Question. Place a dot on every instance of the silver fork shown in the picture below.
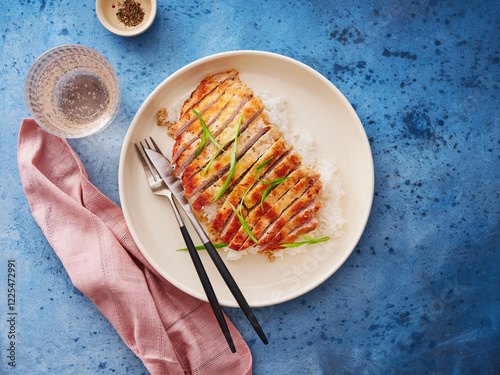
(155, 182)
(159, 187)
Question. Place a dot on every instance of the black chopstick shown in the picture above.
(235, 290)
(207, 286)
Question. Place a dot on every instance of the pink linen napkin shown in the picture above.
(172, 332)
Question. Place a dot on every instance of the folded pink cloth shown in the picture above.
(172, 332)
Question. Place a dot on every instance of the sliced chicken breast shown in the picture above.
(202, 106)
(222, 163)
(307, 227)
(289, 160)
(302, 186)
(275, 213)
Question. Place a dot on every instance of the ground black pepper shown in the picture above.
(130, 13)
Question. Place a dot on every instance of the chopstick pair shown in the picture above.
(163, 182)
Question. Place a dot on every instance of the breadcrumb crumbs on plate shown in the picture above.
(161, 116)
(162, 119)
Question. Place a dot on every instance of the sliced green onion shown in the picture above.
(268, 190)
(211, 161)
(233, 163)
(244, 225)
(315, 240)
(201, 247)
(244, 196)
(202, 143)
(206, 133)
(273, 183)
(295, 244)
(229, 177)
(309, 241)
(278, 181)
(263, 165)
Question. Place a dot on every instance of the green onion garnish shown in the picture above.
(202, 143)
(233, 163)
(257, 170)
(278, 181)
(206, 133)
(273, 183)
(211, 161)
(268, 190)
(244, 195)
(244, 225)
(309, 241)
(201, 247)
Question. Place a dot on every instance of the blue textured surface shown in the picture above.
(420, 293)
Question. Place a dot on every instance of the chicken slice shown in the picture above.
(240, 241)
(285, 163)
(255, 195)
(229, 115)
(293, 235)
(272, 230)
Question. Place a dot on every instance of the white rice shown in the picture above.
(330, 214)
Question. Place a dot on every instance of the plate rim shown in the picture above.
(256, 53)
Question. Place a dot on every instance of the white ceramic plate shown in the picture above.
(313, 103)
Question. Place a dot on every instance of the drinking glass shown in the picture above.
(72, 91)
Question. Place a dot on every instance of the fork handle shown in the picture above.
(207, 286)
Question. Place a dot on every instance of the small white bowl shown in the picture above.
(107, 15)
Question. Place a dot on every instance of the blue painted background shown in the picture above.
(420, 293)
